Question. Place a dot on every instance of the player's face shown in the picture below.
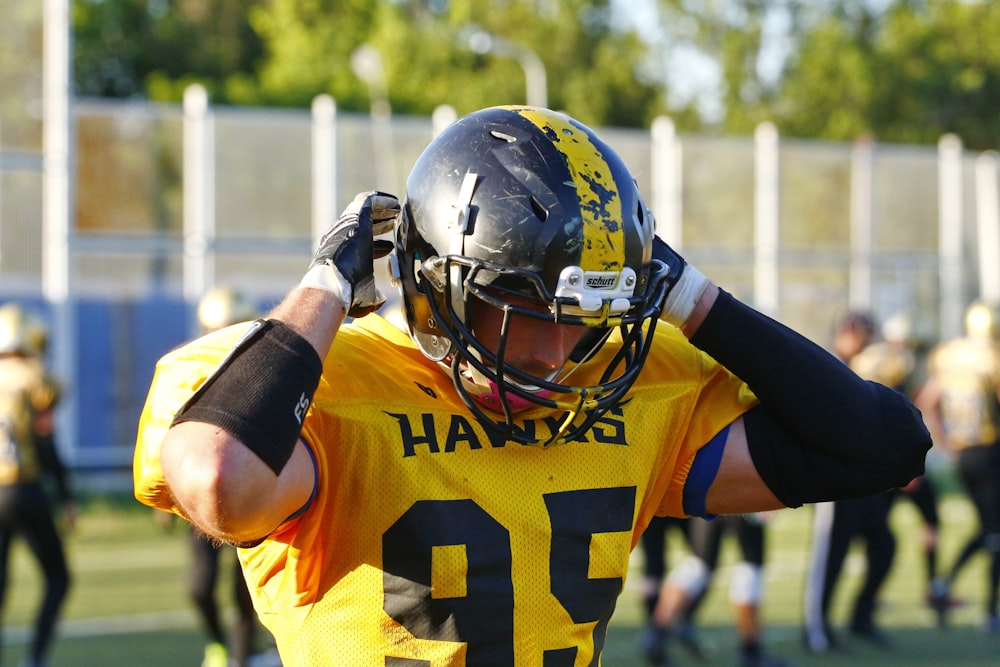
(850, 341)
(534, 346)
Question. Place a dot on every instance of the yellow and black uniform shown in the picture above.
(27, 454)
(894, 364)
(527, 573)
(968, 372)
(26, 390)
(18, 454)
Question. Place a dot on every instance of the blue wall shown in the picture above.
(118, 346)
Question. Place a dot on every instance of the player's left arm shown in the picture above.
(232, 491)
(738, 488)
(819, 433)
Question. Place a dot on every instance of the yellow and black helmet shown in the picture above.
(525, 201)
(223, 306)
(982, 320)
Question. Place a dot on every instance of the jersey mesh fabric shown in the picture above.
(969, 372)
(428, 543)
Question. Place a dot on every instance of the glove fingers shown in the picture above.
(367, 299)
(350, 248)
(384, 226)
(384, 211)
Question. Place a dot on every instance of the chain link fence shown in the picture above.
(131, 252)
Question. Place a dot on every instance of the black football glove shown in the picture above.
(344, 261)
(675, 263)
(685, 284)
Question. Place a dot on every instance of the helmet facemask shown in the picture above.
(490, 386)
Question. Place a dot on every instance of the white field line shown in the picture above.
(110, 625)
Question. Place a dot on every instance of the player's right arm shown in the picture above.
(222, 486)
(232, 458)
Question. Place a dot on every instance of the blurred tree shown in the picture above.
(921, 69)
(827, 90)
(155, 48)
(902, 70)
(739, 49)
(285, 52)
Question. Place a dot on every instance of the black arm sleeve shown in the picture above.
(820, 432)
(261, 392)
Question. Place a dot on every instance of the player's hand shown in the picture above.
(685, 284)
(344, 261)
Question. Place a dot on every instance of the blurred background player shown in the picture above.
(688, 583)
(217, 309)
(893, 361)
(961, 405)
(837, 524)
(654, 545)
(28, 397)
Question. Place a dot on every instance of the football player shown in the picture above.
(469, 494)
(961, 402)
(892, 361)
(28, 398)
(685, 588)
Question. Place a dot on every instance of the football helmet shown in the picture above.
(223, 306)
(982, 320)
(518, 203)
(22, 332)
(898, 328)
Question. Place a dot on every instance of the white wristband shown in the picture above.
(327, 278)
(684, 296)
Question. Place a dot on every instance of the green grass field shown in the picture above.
(128, 606)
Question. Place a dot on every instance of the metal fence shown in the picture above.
(172, 200)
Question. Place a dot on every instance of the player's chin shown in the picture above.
(492, 397)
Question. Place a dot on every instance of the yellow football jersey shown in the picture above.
(25, 390)
(429, 543)
(968, 370)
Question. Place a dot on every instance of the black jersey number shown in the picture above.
(484, 616)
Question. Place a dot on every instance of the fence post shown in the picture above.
(988, 226)
(58, 211)
(199, 194)
(667, 186)
(766, 219)
(950, 235)
(1, 191)
(862, 206)
(324, 165)
(442, 116)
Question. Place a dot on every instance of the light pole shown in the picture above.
(367, 65)
(536, 86)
